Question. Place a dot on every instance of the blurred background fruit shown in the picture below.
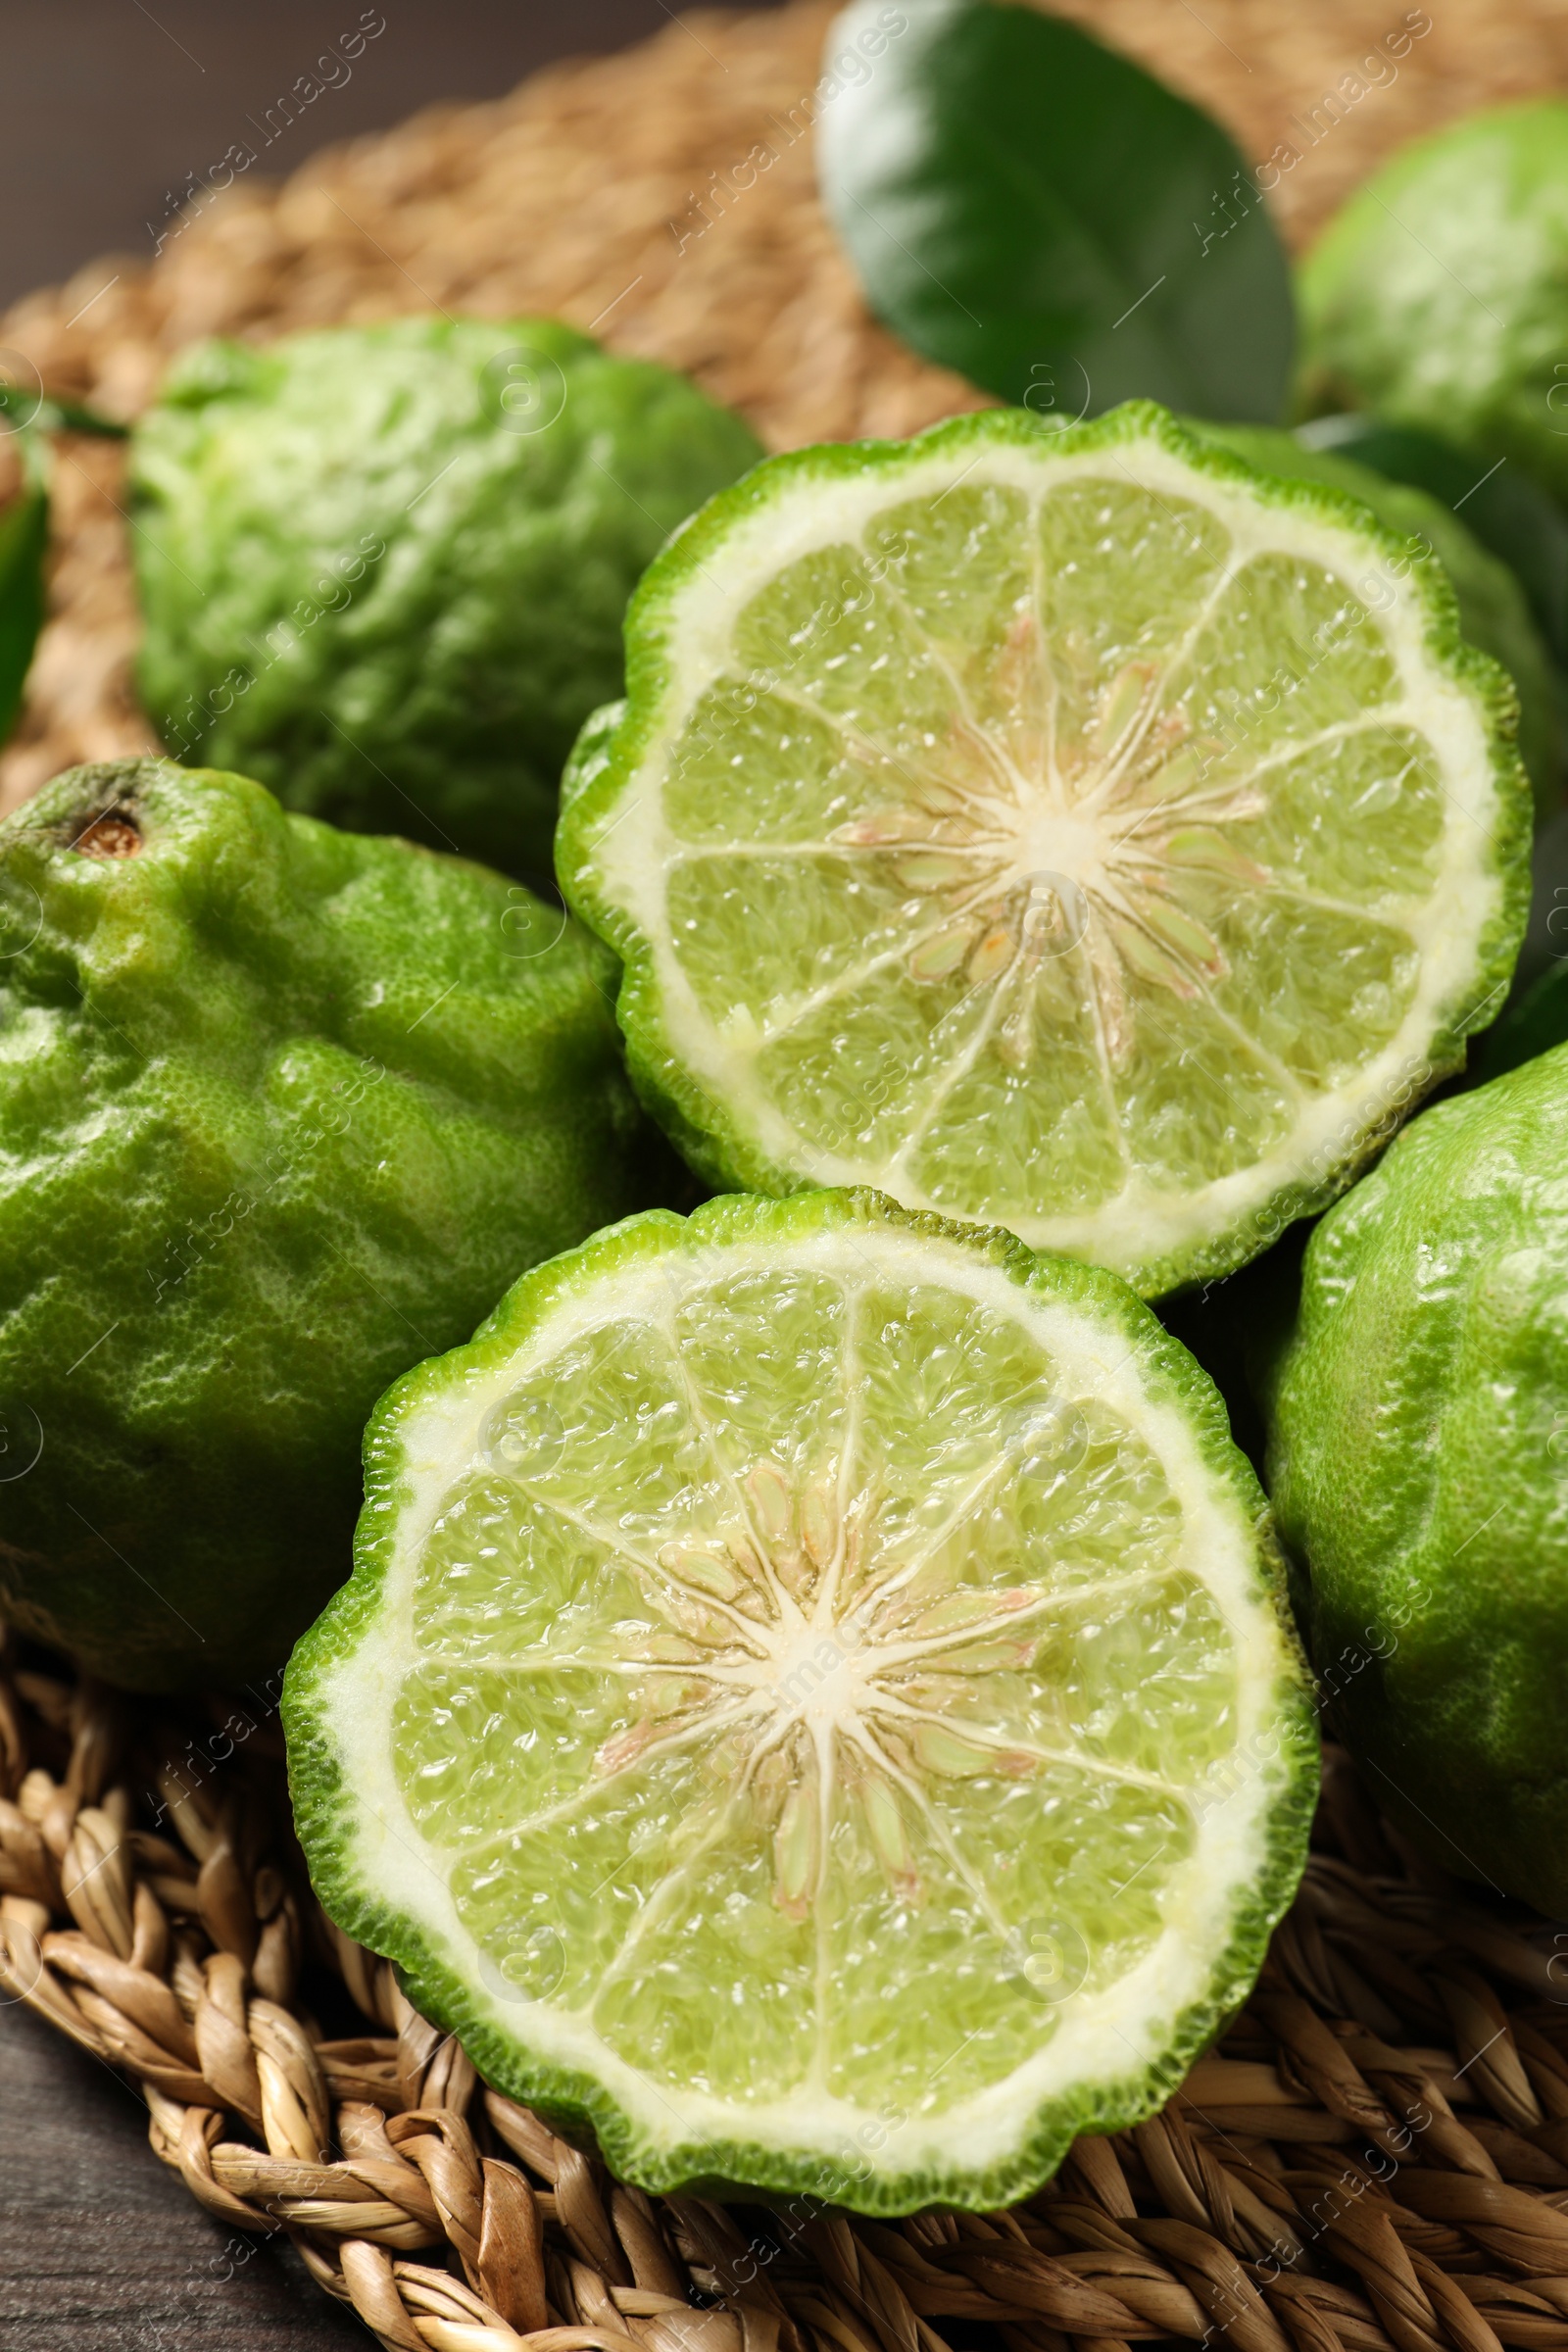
(1435, 296)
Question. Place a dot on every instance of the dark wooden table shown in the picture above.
(103, 2249)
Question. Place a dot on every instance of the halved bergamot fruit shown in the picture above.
(1079, 831)
(814, 1702)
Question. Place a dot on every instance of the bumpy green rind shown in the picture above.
(1418, 1431)
(1494, 612)
(383, 569)
(703, 1126)
(1434, 295)
(281, 1110)
(321, 1769)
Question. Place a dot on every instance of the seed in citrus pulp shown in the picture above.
(814, 1702)
(1083, 832)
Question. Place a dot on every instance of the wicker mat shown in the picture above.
(1375, 2157)
(606, 192)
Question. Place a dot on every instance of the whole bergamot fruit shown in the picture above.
(1494, 612)
(284, 1112)
(1418, 1460)
(1435, 294)
(383, 569)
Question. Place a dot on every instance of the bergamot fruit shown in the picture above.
(383, 569)
(1081, 832)
(814, 1702)
(1434, 295)
(283, 1109)
(1418, 1453)
(1494, 612)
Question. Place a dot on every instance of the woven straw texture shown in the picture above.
(601, 192)
(1376, 2157)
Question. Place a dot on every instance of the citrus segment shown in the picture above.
(1493, 611)
(1084, 831)
(812, 1701)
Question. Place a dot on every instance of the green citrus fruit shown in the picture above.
(283, 1109)
(1418, 1459)
(1082, 832)
(1434, 295)
(1494, 612)
(814, 1702)
(383, 569)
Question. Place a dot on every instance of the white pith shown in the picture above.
(628, 857)
(1110, 2037)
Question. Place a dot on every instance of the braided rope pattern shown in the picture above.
(1374, 2159)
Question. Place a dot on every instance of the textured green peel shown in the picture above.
(1419, 1425)
(282, 1109)
(384, 569)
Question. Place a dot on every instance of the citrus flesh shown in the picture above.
(1083, 832)
(1494, 612)
(813, 1701)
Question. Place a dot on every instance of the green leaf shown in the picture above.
(56, 415)
(1038, 212)
(1508, 512)
(25, 407)
(23, 543)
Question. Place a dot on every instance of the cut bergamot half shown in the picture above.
(1083, 832)
(813, 1703)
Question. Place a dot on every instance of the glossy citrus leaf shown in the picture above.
(1027, 206)
(1508, 512)
(24, 542)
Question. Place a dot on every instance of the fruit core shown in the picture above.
(811, 1667)
(1083, 844)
